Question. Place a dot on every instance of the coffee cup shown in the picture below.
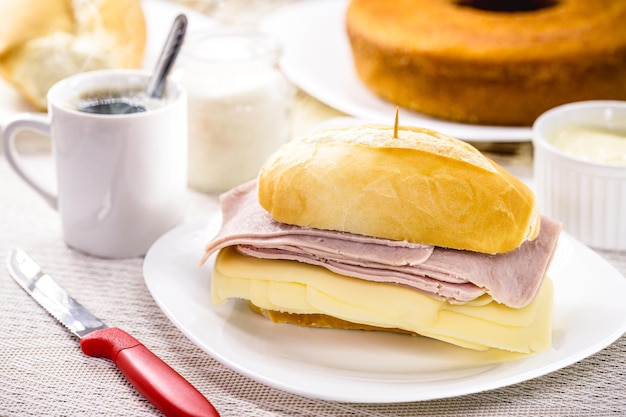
(121, 178)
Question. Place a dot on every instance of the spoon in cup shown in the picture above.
(156, 83)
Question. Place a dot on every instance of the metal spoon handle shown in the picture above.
(168, 56)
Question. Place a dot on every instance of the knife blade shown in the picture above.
(160, 384)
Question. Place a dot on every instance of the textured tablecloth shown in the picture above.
(44, 373)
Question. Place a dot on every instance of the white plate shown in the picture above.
(375, 367)
(318, 59)
(159, 16)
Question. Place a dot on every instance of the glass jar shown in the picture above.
(238, 106)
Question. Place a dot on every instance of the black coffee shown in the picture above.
(117, 102)
(112, 106)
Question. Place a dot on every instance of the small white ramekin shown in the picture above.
(588, 197)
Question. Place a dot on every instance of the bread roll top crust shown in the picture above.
(422, 186)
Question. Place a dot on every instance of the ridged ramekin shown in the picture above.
(588, 197)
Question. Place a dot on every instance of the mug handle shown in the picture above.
(34, 122)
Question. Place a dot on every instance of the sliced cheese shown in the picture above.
(294, 287)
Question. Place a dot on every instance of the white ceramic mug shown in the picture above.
(121, 179)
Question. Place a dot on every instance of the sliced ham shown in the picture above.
(511, 278)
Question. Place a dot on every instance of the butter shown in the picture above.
(294, 287)
(593, 144)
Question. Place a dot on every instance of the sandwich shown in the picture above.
(389, 228)
(42, 42)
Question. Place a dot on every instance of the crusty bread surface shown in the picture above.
(422, 186)
(320, 321)
(43, 42)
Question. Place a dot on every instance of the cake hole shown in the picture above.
(508, 5)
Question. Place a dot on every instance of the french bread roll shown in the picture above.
(421, 186)
(42, 42)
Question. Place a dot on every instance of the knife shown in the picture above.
(165, 388)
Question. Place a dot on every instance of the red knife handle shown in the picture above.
(165, 388)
